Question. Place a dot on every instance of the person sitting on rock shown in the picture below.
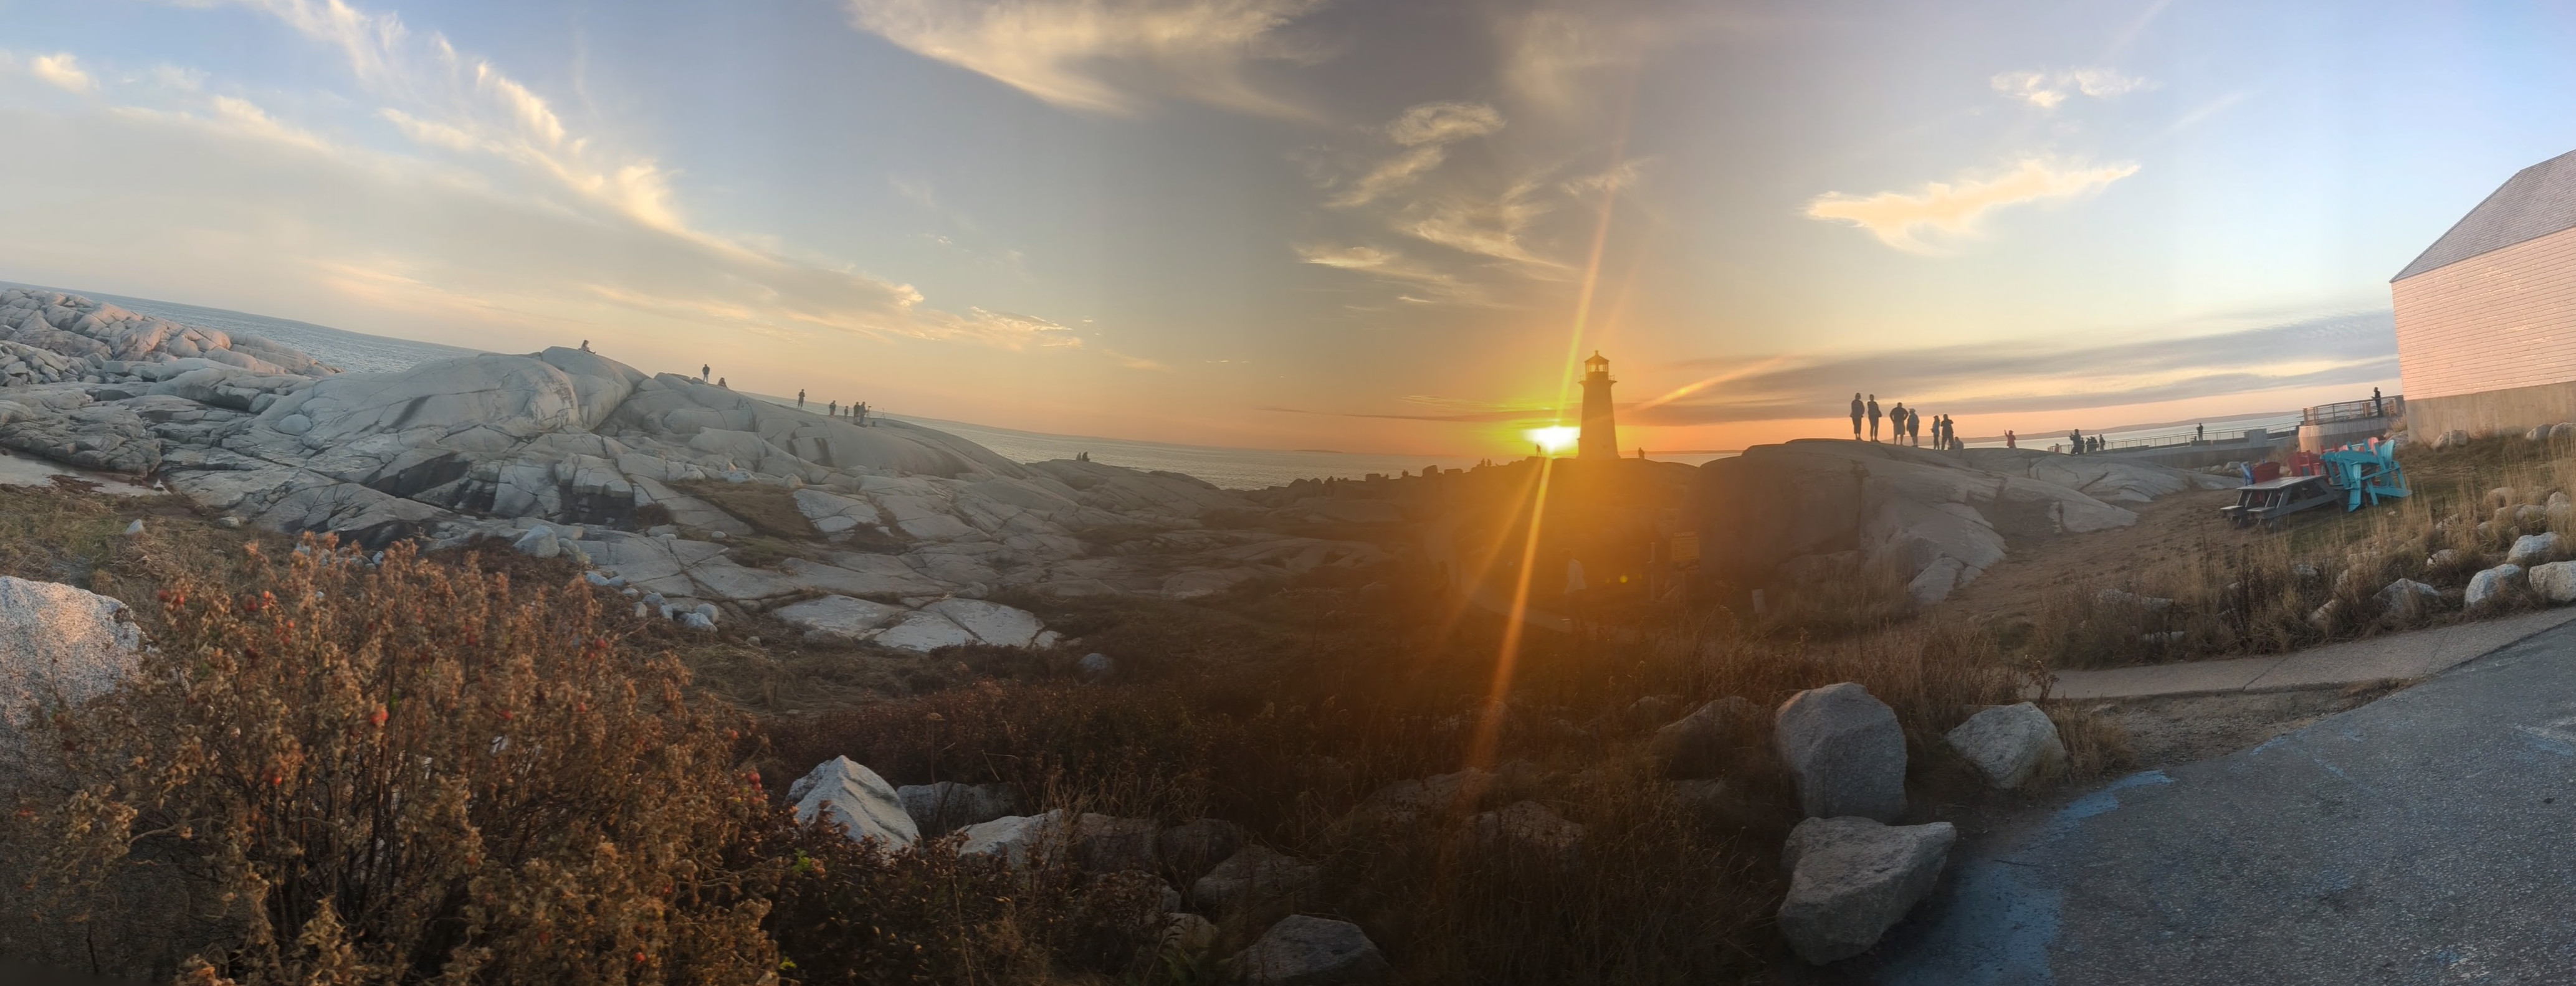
(720, 382)
(585, 345)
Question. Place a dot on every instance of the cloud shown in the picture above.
(2047, 90)
(1423, 130)
(1487, 226)
(1986, 378)
(1391, 266)
(62, 71)
(498, 210)
(1896, 217)
(1102, 56)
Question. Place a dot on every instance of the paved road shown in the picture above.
(2429, 837)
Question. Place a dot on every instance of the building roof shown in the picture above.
(2535, 202)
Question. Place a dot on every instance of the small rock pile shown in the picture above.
(1227, 875)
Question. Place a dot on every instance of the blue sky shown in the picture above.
(1300, 223)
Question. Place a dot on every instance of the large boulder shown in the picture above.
(1851, 879)
(2009, 744)
(1252, 877)
(1844, 751)
(946, 806)
(2409, 598)
(1019, 841)
(2533, 549)
(1906, 509)
(2555, 582)
(842, 790)
(2491, 587)
(1697, 745)
(59, 645)
(486, 402)
(1302, 950)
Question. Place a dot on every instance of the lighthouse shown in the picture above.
(1600, 430)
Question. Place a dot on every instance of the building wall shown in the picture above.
(2501, 327)
(2489, 411)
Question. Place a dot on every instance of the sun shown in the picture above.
(1556, 438)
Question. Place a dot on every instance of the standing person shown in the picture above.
(705, 371)
(1857, 412)
(2011, 440)
(800, 398)
(2374, 404)
(2075, 440)
(1873, 417)
(2200, 433)
(1941, 436)
(1914, 427)
(832, 409)
(1896, 423)
(862, 413)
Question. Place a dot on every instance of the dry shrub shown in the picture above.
(1663, 891)
(2095, 745)
(345, 773)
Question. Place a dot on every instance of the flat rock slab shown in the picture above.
(2420, 838)
(2413, 654)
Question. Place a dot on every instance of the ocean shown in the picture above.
(1231, 468)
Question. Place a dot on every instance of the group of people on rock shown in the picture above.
(857, 410)
(2082, 443)
(1905, 424)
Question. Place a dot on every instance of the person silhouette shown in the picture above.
(800, 398)
(2075, 440)
(832, 409)
(1896, 417)
(2011, 440)
(585, 345)
(2374, 404)
(705, 371)
(1873, 417)
(721, 383)
(1857, 412)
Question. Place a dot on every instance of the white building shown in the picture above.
(2486, 318)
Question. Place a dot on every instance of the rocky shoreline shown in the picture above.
(568, 453)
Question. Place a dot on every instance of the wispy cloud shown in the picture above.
(1103, 56)
(500, 208)
(1424, 131)
(1985, 379)
(62, 71)
(1955, 208)
(2047, 90)
(1392, 266)
(1490, 226)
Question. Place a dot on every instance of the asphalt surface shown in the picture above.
(2429, 837)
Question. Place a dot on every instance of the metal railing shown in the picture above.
(2180, 439)
(2393, 405)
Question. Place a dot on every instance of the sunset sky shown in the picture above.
(1368, 226)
